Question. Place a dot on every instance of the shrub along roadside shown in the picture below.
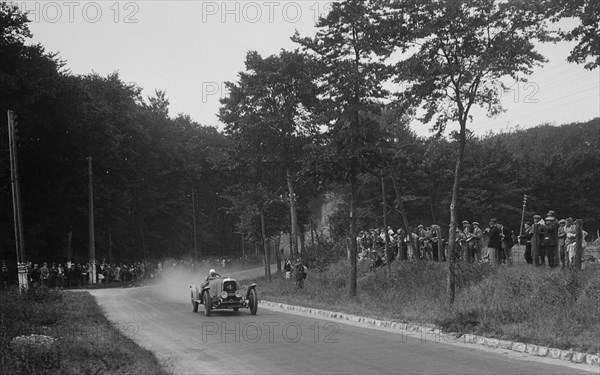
(555, 308)
(86, 342)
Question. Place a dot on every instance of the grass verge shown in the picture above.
(55, 332)
(550, 307)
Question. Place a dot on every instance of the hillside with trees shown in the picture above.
(298, 125)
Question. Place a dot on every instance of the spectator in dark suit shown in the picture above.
(495, 241)
(507, 244)
(526, 238)
(549, 244)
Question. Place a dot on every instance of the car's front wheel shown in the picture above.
(253, 301)
(207, 303)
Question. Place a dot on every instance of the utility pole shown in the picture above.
(91, 224)
(16, 196)
(523, 214)
(194, 224)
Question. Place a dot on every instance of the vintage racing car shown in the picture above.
(224, 293)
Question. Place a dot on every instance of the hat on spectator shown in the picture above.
(475, 223)
(465, 222)
(528, 223)
(570, 219)
(493, 220)
(562, 221)
(550, 218)
(551, 213)
(420, 226)
(537, 217)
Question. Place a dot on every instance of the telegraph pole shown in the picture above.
(91, 224)
(523, 214)
(16, 196)
(194, 224)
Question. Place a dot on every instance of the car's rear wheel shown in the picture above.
(194, 304)
(253, 300)
(207, 303)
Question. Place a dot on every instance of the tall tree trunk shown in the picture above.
(278, 253)
(110, 255)
(265, 247)
(293, 213)
(353, 249)
(454, 211)
(388, 251)
(302, 243)
(143, 242)
(433, 218)
(401, 208)
(70, 243)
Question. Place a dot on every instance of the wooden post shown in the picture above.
(92, 255)
(16, 196)
(535, 244)
(194, 227)
(265, 247)
(523, 214)
(578, 240)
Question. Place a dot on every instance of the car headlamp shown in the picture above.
(238, 294)
(224, 294)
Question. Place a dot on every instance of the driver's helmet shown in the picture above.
(212, 272)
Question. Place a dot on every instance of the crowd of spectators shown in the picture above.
(491, 243)
(69, 275)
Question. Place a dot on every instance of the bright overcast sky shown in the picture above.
(189, 48)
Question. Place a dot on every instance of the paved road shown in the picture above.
(160, 318)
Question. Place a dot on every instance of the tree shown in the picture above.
(587, 33)
(463, 50)
(347, 45)
(271, 108)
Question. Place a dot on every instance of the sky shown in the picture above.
(190, 48)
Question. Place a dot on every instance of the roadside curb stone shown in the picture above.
(555, 353)
(592, 360)
(532, 349)
(519, 347)
(505, 344)
(535, 350)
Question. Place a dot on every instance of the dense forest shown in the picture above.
(259, 175)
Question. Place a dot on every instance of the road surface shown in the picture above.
(160, 318)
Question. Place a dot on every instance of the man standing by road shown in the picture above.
(526, 237)
(550, 241)
(507, 244)
(562, 248)
(495, 242)
(477, 241)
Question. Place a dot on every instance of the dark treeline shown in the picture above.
(261, 173)
(558, 167)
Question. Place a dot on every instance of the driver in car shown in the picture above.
(212, 274)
